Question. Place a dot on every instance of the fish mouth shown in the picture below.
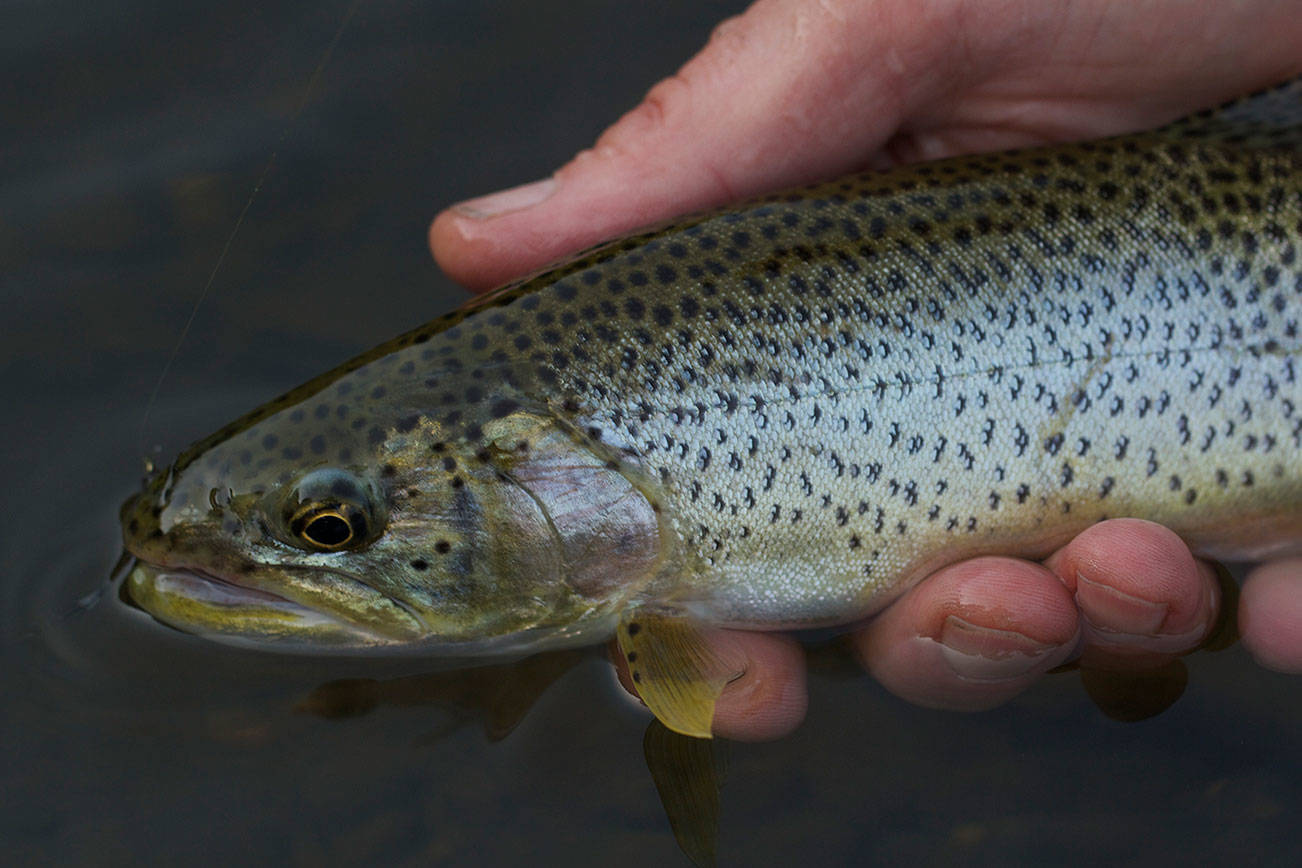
(216, 608)
(220, 608)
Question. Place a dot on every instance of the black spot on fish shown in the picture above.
(504, 407)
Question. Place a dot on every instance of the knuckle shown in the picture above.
(662, 110)
(730, 36)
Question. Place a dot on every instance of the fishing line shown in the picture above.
(289, 127)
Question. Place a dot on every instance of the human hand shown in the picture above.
(792, 92)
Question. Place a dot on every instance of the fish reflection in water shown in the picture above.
(688, 773)
(499, 695)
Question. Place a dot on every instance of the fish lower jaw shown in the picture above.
(219, 609)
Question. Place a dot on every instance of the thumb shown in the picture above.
(784, 94)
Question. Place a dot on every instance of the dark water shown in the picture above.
(130, 137)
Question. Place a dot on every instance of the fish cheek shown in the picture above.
(486, 562)
(522, 555)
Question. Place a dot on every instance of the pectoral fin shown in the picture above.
(675, 669)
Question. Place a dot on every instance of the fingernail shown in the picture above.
(979, 653)
(506, 201)
(1123, 613)
(1133, 623)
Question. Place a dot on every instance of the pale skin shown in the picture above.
(795, 91)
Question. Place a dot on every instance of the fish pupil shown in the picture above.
(328, 530)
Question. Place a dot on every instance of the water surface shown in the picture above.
(132, 136)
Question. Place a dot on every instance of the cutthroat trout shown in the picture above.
(778, 416)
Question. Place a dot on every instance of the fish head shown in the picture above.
(485, 525)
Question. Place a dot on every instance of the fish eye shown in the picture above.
(329, 510)
(329, 526)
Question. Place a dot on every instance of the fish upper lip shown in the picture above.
(224, 580)
(244, 596)
(254, 595)
(229, 579)
(179, 566)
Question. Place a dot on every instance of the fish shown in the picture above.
(776, 416)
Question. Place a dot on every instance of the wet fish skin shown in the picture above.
(784, 414)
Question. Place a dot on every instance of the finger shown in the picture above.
(1270, 615)
(972, 635)
(784, 94)
(1143, 597)
(768, 700)
(792, 91)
